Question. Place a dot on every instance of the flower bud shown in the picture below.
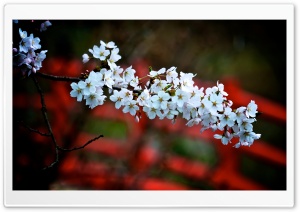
(167, 87)
(172, 92)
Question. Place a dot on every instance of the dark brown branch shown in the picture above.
(45, 115)
(51, 165)
(58, 78)
(81, 147)
(33, 130)
(44, 110)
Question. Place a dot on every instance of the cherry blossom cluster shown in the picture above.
(27, 58)
(165, 94)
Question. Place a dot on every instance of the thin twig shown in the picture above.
(81, 147)
(45, 115)
(58, 78)
(33, 130)
(44, 109)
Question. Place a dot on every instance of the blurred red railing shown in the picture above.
(139, 156)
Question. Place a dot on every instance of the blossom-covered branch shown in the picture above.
(27, 58)
(166, 94)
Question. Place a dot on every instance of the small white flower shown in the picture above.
(152, 112)
(116, 70)
(202, 109)
(25, 45)
(208, 119)
(85, 58)
(171, 74)
(135, 83)
(99, 52)
(180, 97)
(240, 114)
(209, 91)
(189, 111)
(117, 98)
(128, 74)
(157, 73)
(251, 109)
(39, 59)
(214, 103)
(158, 85)
(114, 56)
(227, 118)
(144, 98)
(246, 125)
(186, 81)
(196, 96)
(160, 100)
(130, 107)
(94, 99)
(109, 45)
(171, 111)
(126, 95)
(23, 34)
(247, 138)
(90, 87)
(108, 79)
(34, 42)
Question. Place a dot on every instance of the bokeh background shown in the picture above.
(247, 56)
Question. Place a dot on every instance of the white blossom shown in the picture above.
(99, 52)
(77, 90)
(160, 100)
(144, 98)
(128, 74)
(131, 107)
(117, 97)
(114, 55)
(251, 109)
(171, 74)
(152, 112)
(180, 97)
(109, 45)
(227, 118)
(157, 73)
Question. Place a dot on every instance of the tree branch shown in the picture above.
(45, 115)
(81, 147)
(58, 78)
(33, 130)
